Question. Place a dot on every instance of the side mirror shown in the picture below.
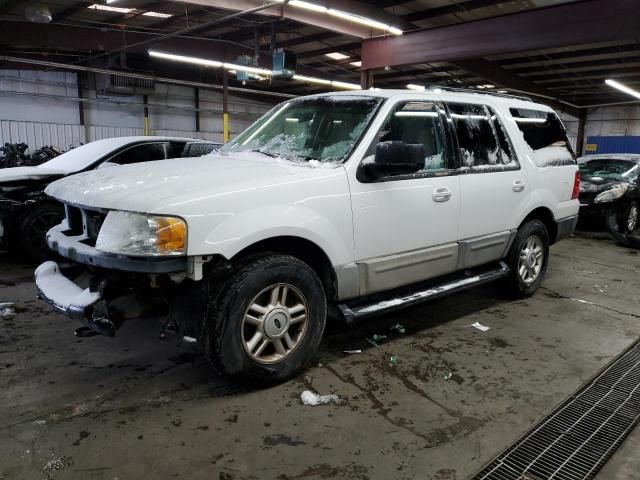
(396, 158)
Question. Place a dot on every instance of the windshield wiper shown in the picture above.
(268, 154)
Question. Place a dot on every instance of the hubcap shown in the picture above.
(274, 323)
(632, 220)
(531, 259)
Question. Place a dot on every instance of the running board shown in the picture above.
(352, 313)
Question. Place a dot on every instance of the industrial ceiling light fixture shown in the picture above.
(244, 68)
(622, 88)
(350, 17)
(337, 56)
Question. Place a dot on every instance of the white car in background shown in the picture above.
(364, 201)
(26, 213)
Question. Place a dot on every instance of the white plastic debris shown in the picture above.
(186, 339)
(398, 328)
(7, 310)
(352, 351)
(314, 399)
(479, 326)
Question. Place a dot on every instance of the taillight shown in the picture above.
(576, 186)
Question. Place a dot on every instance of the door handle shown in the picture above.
(441, 194)
(518, 186)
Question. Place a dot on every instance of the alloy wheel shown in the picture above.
(275, 323)
(531, 259)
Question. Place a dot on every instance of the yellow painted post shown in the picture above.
(225, 107)
(146, 115)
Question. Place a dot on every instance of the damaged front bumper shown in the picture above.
(68, 298)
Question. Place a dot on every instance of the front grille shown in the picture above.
(85, 222)
(577, 439)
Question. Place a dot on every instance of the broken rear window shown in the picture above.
(546, 136)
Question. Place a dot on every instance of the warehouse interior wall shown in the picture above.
(42, 108)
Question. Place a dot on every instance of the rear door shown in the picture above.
(493, 184)
(406, 226)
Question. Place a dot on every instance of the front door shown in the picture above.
(406, 225)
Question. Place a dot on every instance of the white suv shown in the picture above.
(365, 201)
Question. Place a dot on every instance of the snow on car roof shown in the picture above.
(444, 95)
(84, 156)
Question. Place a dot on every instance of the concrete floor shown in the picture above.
(136, 407)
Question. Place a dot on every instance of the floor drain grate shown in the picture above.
(577, 438)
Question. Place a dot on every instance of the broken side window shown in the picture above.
(545, 135)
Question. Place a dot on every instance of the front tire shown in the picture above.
(528, 259)
(34, 228)
(266, 319)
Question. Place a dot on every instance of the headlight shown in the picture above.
(139, 234)
(613, 193)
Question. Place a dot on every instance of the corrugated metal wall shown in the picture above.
(37, 134)
(41, 108)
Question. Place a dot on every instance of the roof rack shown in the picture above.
(481, 92)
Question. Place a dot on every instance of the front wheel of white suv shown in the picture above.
(528, 258)
(266, 319)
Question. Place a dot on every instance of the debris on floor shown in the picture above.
(352, 351)
(373, 343)
(186, 339)
(378, 338)
(479, 326)
(7, 310)
(398, 328)
(314, 399)
(54, 464)
(447, 375)
(393, 360)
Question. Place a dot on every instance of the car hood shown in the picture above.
(16, 174)
(179, 185)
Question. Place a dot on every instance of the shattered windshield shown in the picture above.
(609, 170)
(324, 129)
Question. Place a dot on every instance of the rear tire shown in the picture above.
(34, 227)
(266, 319)
(528, 259)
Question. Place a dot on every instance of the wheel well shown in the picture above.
(304, 250)
(545, 216)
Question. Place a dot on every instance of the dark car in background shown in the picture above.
(26, 213)
(610, 191)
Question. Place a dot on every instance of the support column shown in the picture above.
(225, 106)
(196, 101)
(366, 79)
(145, 99)
(81, 120)
(582, 120)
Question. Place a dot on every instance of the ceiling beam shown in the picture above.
(497, 75)
(317, 19)
(459, 7)
(551, 27)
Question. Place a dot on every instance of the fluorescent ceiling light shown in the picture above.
(368, 22)
(308, 6)
(210, 63)
(107, 8)
(185, 59)
(622, 88)
(304, 78)
(337, 56)
(413, 86)
(157, 14)
(356, 64)
(350, 17)
(350, 86)
(245, 68)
